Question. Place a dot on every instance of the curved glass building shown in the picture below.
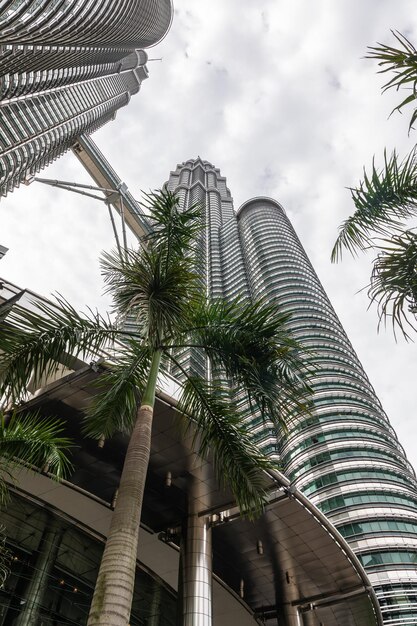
(66, 67)
(345, 457)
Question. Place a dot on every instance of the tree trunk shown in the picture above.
(113, 593)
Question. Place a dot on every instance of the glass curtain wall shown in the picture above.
(53, 567)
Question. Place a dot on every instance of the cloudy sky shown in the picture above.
(275, 93)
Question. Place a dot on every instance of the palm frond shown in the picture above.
(219, 430)
(251, 343)
(35, 343)
(157, 296)
(114, 408)
(383, 201)
(403, 63)
(173, 229)
(34, 440)
(393, 284)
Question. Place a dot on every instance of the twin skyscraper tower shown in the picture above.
(66, 67)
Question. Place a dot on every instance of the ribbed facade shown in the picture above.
(345, 457)
(66, 67)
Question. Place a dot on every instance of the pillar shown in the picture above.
(155, 606)
(195, 576)
(310, 619)
(37, 588)
(289, 615)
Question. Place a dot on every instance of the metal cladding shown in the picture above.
(66, 67)
(345, 456)
(119, 23)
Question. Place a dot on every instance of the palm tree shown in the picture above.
(158, 287)
(384, 201)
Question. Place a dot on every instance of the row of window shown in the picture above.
(347, 453)
(378, 526)
(348, 433)
(87, 22)
(388, 558)
(356, 475)
(370, 497)
(344, 416)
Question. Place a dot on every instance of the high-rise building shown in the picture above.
(287, 568)
(345, 456)
(66, 67)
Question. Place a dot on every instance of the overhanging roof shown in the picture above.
(302, 562)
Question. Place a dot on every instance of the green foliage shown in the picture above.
(154, 294)
(34, 440)
(174, 230)
(213, 417)
(251, 344)
(403, 63)
(384, 201)
(394, 280)
(35, 343)
(121, 385)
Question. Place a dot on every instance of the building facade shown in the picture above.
(345, 457)
(287, 568)
(66, 67)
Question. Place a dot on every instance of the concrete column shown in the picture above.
(195, 576)
(37, 588)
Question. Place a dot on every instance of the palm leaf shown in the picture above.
(155, 295)
(402, 62)
(174, 229)
(393, 284)
(114, 408)
(219, 430)
(34, 344)
(252, 345)
(383, 201)
(34, 440)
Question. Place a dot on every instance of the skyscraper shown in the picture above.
(345, 457)
(66, 67)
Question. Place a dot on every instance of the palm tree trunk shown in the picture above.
(112, 599)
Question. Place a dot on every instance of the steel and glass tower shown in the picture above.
(66, 67)
(345, 457)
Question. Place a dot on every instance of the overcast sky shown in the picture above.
(275, 93)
